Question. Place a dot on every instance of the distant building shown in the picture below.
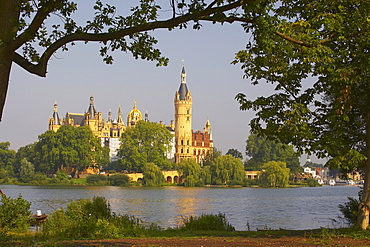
(185, 144)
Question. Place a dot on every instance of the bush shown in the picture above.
(89, 219)
(235, 182)
(39, 179)
(207, 222)
(119, 180)
(14, 214)
(248, 182)
(96, 179)
(350, 209)
(311, 182)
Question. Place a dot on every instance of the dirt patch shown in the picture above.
(223, 242)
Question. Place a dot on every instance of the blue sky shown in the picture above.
(74, 75)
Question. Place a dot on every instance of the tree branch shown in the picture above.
(36, 23)
(301, 43)
(41, 68)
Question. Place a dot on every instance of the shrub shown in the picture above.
(89, 219)
(39, 179)
(311, 182)
(96, 179)
(207, 222)
(119, 180)
(14, 214)
(350, 209)
(248, 182)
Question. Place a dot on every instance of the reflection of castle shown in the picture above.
(186, 143)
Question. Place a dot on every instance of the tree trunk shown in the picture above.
(5, 67)
(364, 207)
(9, 21)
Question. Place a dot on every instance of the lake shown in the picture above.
(291, 208)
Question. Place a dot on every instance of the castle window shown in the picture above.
(187, 151)
(182, 150)
(182, 142)
(187, 143)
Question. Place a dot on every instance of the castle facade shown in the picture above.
(186, 144)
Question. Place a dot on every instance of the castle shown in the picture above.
(186, 144)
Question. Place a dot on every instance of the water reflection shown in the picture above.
(293, 208)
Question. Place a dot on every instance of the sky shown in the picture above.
(74, 75)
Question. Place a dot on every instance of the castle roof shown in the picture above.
(91, 111)
(77, 118)
(183, 90)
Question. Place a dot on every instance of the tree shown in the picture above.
(7, 157)
(119, 180)
(26, 171)
(14, 214)
(235, 153)
(61, 175)
(152, 175)
(263, 150)
(27, 27)
(146, 143)
(227, 169)
(68, 147)
(274, 174)
(96, 179)
(191, 172)
(316, 53)
(210, 157)
(26, 152)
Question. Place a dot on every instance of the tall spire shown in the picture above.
(55, 114)
(183, 74)
(91, 111)
(119, 118)
(110, 115)
(183, 90)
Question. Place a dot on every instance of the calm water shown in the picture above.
(292, 208)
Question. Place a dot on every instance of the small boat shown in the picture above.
(38, 218)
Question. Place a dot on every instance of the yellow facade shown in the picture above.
(186, 144)
(183, 121)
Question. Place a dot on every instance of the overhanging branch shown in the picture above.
(40, 69)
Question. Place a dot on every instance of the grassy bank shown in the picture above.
(316, 237)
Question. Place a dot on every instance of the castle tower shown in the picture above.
(93, 118)
(119, 118)
(55, 122)
(183, 121)
(110, 118)
(134, 116)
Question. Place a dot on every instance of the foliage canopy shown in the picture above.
(147, 142)
(316, 53)
(262, 150)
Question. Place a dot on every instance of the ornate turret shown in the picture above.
(146, 116)
(208, 129)
(110, 115)
(55, 122)
(119, 118)
(91, 111)
(134, 116)
(93, 118)
(56, 115)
